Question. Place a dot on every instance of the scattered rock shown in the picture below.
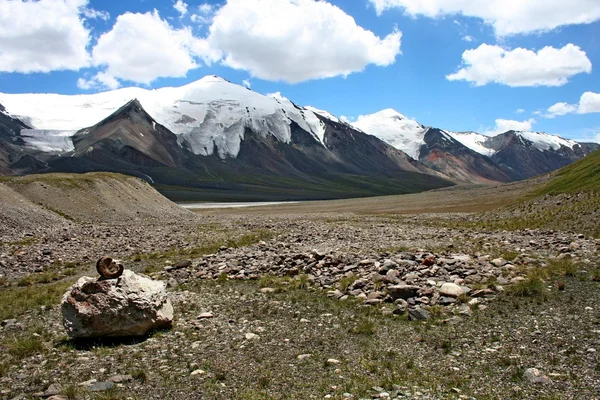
(206, 315)
(404, 292)
(453, 290)
(534, 375)
(101, 386)
(418, 314)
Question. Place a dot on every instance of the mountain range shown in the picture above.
(214, 140)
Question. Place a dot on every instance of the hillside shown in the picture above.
(567, 200)
(54, 200)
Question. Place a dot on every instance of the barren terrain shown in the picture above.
(341, 299)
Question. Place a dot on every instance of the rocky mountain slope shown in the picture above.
(471, 157)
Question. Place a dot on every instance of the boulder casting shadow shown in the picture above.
(128, 306)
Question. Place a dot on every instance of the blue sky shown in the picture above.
(325, 59)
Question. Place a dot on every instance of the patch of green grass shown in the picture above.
(39, 278)
(139, 375)
(58, 212)
(532, 286)
(346, 282)
(15, 301)
(24, 346)
(28, 241)
(365, 326)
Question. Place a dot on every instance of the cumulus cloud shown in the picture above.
(44, 35)
(505, 125)
(181, 7)
(561, 109)
(297, 40)
(520, 111)
(143, 47)
(468, 38)
(247, 83)
(507, 17)
(588, 103)
(521, 67)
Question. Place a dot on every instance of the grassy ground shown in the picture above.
(309, 346)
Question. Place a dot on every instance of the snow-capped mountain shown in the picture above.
(215, 136)
(473, 157)
(220, 137)
(395, 129)
(207, 115)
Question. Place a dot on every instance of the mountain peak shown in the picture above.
(390, 113)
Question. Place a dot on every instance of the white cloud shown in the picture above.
(90, 13)
(468, 38)
(521, 67)
(247, 83)
(143, 47)
(589, 103)
(508, 17)
(297, 40)
(181, 7)
(560, 109)
(520, 111)
(348, 120)
(505, 125)
(101, 80)
(43, 36)
(205, 14)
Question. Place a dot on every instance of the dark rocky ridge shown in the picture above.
(452, 158)
(520, 159)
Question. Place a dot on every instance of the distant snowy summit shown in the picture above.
(408, 135)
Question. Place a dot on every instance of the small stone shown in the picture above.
(498, 262)
(304, 356)
(305, 321)
(534, 375)
(402, 291)
(52, 390)
(252, 336)
(453, 290)
(58, 397)
(333, 361)
(197, 372)
(418, 314)
(205, 315)
(101, 386)
(267, 290)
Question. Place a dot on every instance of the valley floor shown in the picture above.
(286, 287)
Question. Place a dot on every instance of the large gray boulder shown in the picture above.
(131, 305)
